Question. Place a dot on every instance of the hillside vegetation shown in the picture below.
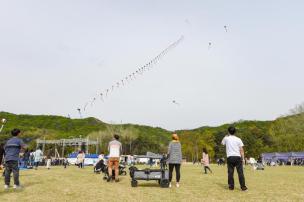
(283, 134)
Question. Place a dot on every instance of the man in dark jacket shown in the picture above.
(12, 149)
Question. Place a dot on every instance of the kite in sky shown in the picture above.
(209, 45)
(133, 76)
(174, 102)
(79, 111)
(226, 28)
(92, 102)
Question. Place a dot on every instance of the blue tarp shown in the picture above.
(74, 155)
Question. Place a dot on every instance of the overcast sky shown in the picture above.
(57, 55)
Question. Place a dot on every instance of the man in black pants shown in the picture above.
(12, 149)
(235, 157)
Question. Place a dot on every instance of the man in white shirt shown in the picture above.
(115, 149)
(235, 157)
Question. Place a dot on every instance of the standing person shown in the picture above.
(206, 161)
(65, 162)
(26, 158)
(235, 157)
(12, 149)
(174, 158)
(115, 149)
(1, 154)
(38, 155)
(80, 159)
(48, 159)
(32, 158)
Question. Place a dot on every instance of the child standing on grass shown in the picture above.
(12, 149)
(206, 160)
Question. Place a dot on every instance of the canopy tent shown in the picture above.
(282, 156)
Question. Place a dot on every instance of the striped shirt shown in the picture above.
(175, 153)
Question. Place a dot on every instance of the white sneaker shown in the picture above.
(6, 187)
(170, 185)
(17, 186)
(177, 185)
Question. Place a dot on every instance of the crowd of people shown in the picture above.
(33, 159)
(282, 162)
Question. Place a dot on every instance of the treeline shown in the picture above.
(281, 135)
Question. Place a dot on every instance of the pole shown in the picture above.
(87, 147)
(43, 144)
(97, 145)
(63, 145)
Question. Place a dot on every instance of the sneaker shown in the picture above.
(231, 188)
(170, 185)
(177, 185)
(244, 189)
(6, 187)
(109, 179)
(17, 186)
(116, 180)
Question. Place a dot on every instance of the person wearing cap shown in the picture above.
(235, 157)
(174, 158)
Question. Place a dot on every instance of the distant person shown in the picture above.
(26, 158)
(65, 162)
(12, 149)
(235, 157)
(100, 157)
(48, 159)
(174, 158)
(206, 161)
(80, 159)
(1, 155)
(115, 149)
(38, 155)
(32, 158)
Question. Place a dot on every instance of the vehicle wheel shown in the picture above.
(134, 183)
(132, 170)
(124, 173)
(158, 181)
(164, 183)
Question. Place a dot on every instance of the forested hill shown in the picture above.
(282, 134)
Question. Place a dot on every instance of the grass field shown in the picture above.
(73, 184)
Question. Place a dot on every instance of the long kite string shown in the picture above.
(132, 76)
